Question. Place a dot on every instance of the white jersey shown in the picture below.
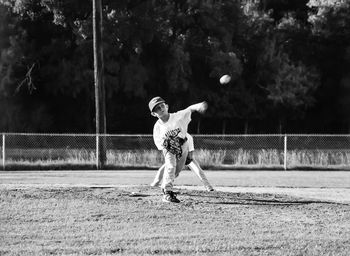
(177, 124)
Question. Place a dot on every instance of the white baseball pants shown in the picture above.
(173, 167)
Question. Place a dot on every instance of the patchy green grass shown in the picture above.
(113, 221)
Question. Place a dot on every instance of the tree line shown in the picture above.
(289, 62)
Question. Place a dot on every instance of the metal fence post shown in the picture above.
(97, 150)
(3, 151)
(285, 152)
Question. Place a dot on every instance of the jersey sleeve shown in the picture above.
(157, 137)
(185, 116)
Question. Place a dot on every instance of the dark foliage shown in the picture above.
(289, 62)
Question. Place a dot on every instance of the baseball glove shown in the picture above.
(172, 143)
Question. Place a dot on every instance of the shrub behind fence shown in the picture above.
(67, 151)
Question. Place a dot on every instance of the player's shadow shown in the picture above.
(263, 202)
(252, 199)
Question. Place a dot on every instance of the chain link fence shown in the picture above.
(319, 151)
(78, 151)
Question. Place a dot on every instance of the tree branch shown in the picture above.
(28, 80)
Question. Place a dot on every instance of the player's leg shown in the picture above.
(181, 162)
(159, 176)
(189, 158)
(169, 178)
(195, 167)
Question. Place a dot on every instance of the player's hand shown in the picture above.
(203, 106)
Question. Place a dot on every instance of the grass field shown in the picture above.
(114, 221)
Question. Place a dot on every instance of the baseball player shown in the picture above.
(169, 135)
(191, 163)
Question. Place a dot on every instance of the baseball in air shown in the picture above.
(225, 79)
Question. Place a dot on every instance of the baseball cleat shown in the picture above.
(169, 197)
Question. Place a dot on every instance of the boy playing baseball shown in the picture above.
(191, 163)
(169, 135)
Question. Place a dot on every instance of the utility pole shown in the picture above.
(100, 115)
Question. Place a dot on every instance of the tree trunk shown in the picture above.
(246, 126)
(224, 126)
(88, 118)
(199, 126)
(280, 126)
